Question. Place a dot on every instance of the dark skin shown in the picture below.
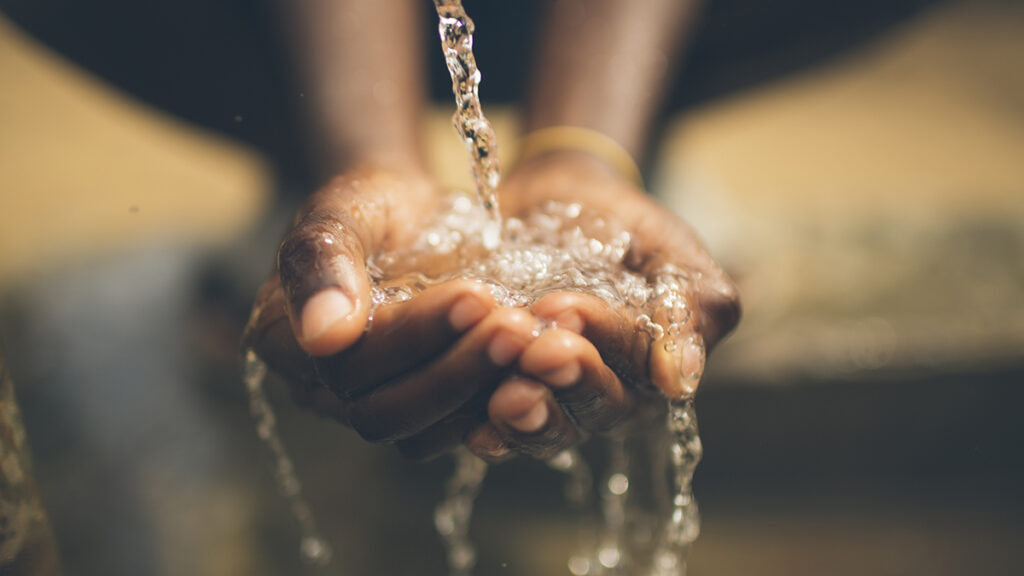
(450, 366)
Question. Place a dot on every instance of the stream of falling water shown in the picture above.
(313, 547)
(557, 247)
(452, 515)
(683, 525)
(456, 31)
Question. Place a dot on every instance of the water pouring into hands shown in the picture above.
(450, 364)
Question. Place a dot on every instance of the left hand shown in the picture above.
(595, 369)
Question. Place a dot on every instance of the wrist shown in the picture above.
(576, 144)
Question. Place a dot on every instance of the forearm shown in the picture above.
(364, 81)
(603, 65)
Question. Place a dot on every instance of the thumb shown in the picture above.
(323, 272)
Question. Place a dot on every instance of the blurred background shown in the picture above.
(858, 166)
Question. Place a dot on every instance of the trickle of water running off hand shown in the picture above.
(611, 552)
(313, 548)
(683, 525)
(453, 513)
(578, 489)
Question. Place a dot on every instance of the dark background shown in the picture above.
(211, 61)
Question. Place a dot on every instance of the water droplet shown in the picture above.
(609, 557)
(579, 565)
(618, 484)
(315, 551)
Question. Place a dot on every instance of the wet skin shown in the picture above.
(450, 366)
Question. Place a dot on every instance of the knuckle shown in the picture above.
(319, 251)
(299, 252)
(720, 300)
(306, 245)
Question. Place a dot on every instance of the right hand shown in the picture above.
(423, 375)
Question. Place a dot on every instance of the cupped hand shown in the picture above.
(421, 377)
(596, 370)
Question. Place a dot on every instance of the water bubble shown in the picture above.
(667, 561)
(579, 565)
(563, 461)
(462, 204)
(618, 484)
(315, 551)
(462, 557)
(609, 557)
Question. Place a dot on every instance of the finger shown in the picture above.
(719, 303)
(526, 414)
(628, 351)
(611, 330)
(322, 259)
(321, 263)
(582, 383)
(420, 329)
(443, 436)
(716, 307)
(269, 334)
(488, 444)
(477, 361)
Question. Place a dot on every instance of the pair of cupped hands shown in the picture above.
(450, 366)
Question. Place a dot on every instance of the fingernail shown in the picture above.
(505, 348)
(487, 440)
(570, 320)
(466, 312)
(565, 375)
(534, 420)
(691, 363)
(496, 451)
(325, 309)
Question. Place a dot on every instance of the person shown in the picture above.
(450, 366)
